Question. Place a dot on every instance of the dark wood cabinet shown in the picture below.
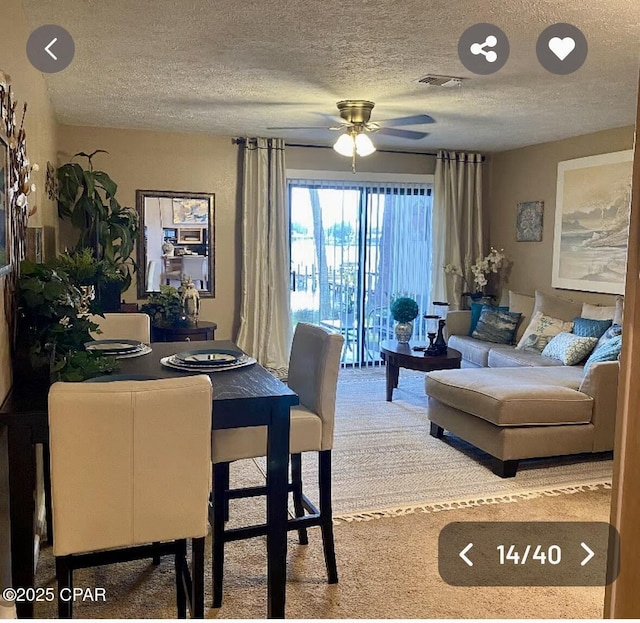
(200, 332)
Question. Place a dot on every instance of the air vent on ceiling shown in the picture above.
(435, 80)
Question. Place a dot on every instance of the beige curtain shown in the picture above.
(457, 222)
(265, 322)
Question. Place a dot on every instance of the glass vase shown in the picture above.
(404, 331)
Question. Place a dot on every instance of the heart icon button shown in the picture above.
(562, 47)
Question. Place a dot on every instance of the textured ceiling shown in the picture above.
(235, 68)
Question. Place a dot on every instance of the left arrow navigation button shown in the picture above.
(462, 554)
(50, 48)
(47, 49)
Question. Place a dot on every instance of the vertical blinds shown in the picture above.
(360, 245)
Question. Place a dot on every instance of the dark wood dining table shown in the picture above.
(242, 397)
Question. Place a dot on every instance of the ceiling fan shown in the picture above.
(354, 122)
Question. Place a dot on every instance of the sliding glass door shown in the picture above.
(355, 247)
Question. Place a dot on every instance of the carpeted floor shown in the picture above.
(388, 569)
(386, 467)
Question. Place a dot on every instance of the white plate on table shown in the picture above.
(145, 350)
(114, 347)
(205, 357)
(241, 362)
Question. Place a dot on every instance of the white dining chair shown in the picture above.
(130, 477)
(314, 364)
(196, 268)
(153, 283)
(172, 266)
(121, 326)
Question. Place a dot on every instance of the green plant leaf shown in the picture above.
(110, 187)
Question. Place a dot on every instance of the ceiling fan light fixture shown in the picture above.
(345, 145)
(364, 145)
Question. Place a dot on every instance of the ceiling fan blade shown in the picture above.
(410, 134)
(413, 120)
(300, 127)
(333, 119)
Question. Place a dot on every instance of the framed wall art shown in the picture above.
(35, 244)
(190, 235)
(593, 203)
(529, 221)
(190, 211)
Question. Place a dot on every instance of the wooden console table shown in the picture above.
(200, 332)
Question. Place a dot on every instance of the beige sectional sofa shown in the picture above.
(517, 405)
(479, 354)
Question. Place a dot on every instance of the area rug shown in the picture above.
(386, 463)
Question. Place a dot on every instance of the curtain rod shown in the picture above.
(242, 141)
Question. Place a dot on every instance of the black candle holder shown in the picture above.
(440, 344)
(432, 321)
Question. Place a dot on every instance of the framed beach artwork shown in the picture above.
(529, 221)
(591, 231)
(190, 211)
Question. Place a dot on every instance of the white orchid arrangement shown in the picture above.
(482, 267)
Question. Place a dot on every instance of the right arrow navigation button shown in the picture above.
(590, 554)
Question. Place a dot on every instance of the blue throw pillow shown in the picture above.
(613, 331)
(476, 310)
(496, 325)
(609, 350)
(585, 327)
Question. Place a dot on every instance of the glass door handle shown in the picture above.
(293, 286)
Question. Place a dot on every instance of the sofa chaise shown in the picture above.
(516, 405)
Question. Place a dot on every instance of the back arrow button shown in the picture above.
(463, 552)
(50, 48)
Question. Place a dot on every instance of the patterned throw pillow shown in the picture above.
(609, 350)
(586, 327)
(496, 325)
(613, 331)
(476, 310)
(569, 348)
(540, 330)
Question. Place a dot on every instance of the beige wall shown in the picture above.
(40, 127)
(170, 161)
(529, 174)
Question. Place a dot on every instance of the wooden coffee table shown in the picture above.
(398, 356)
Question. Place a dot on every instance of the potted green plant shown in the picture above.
(404, 311)
(87, 198)
(89, 274)
(51, 334)
(165, 307)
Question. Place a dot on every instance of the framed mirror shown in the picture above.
(5, 261)
(176, 239)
